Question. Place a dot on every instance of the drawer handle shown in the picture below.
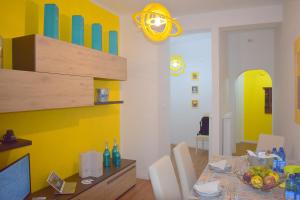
(112, 180)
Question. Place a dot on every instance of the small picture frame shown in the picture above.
(195, 76)
(195, 103)
(195, 89)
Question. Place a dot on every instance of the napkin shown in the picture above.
(207, 188)
(222, 165)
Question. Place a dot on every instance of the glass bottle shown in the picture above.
(114, 150)
(290, 187)
(106, 157)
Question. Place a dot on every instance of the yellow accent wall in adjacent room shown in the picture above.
(255, 119)
(58, 136)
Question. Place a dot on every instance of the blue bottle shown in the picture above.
(51, 21)
(97, 36)
(113, 42)
(297, 196)
(78, 30)
(290, 187)
(114, 151)
(281, 162)
(106, 157)
(275, 162)
(117, 162)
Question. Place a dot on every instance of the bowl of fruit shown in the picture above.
(261, 178)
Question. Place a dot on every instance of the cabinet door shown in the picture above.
(95, 193)
(120, 183)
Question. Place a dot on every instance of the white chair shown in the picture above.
(163, 180)
(186, 171)
(267, 142)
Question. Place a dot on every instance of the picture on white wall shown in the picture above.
(195, 76)
(195, 89)
(195, 103)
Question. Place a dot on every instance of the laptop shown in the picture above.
(60, 185)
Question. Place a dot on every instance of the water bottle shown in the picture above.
(281, 162)
(297, 196)
(297, 181)
(106, 157)
(290, 187)
(275, 162)
(114, 151)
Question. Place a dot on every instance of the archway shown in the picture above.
(253, 107)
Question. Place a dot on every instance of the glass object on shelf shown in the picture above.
(51, 21)
(97, 36)
(102, 94)
(78, 30)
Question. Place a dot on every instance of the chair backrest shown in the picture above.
(186, 170)
(163, 180)
(204, 126)
(267, 142)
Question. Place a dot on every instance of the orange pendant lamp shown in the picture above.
(157, 23)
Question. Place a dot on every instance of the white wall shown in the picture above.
(196, 51)
(239, 109)
(284, 75)
(245, 50)
(140, 138)
(217, 22)
(144, 115)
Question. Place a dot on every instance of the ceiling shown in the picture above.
(183, 7)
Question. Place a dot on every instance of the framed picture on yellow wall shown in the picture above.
(297, 81)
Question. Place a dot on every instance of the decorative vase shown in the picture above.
(113, 42)
(51, 21)
(78, 30)
(97, 36)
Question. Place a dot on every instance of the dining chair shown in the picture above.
(163, 180)
(186, 170)
(267, 142)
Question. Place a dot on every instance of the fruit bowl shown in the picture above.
(261, 178)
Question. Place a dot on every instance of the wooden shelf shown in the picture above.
(42, 54)
(26, 91)
(19, 143)
(109, 102)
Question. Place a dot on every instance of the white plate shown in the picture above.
(210, 195)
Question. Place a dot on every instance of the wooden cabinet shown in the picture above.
(113, 187)
(24, 91)
(114, 182)
(95, 193)
(120, 183)
(43, 54)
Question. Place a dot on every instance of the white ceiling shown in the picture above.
(183, 7)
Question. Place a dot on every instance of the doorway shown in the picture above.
(253, 108)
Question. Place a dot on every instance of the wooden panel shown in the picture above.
(24, 91)
(120, 183)
(95, 193)
(55, 56)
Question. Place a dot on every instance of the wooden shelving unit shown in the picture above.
(109, 102)
(49, 74)
(43, 54)
(26, 91)
(19, 143)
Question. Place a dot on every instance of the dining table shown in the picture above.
(231, 185)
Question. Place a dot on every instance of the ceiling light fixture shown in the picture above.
(157, 23)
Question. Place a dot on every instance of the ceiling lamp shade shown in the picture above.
(177, 65)
(157, 23)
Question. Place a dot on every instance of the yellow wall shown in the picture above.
(58, 136)
(255, 119)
